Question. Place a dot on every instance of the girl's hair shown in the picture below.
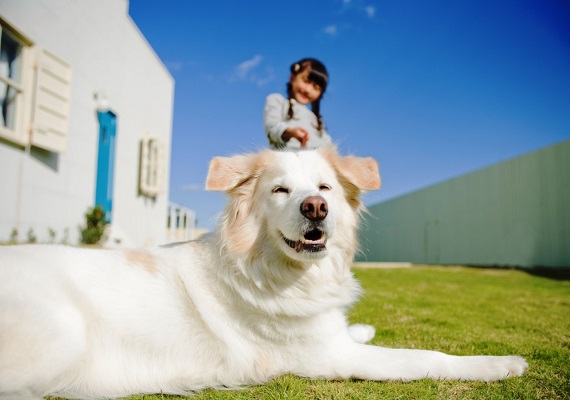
(317, 74)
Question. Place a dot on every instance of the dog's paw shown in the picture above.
(361, 333)
(493, 368)
(513, 366)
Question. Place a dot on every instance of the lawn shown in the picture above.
(455, 310)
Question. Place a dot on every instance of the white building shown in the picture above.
(86, 119)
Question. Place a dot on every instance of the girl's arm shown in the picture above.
(273, 119)
(298, 133)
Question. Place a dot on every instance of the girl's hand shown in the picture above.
(298, 133)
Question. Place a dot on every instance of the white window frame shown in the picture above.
(18, 133)
(152, 167)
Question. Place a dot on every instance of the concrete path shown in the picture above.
(386, 265)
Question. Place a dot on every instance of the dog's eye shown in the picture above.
(324, 187)
(280, 189)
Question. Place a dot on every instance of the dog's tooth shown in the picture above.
(298, 246)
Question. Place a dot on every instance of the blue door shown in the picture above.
(106, 162)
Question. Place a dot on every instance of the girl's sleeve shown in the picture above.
(327, 140)
(273, 120)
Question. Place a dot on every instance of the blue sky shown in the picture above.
(430, 89)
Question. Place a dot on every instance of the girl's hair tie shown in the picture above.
(296, 67)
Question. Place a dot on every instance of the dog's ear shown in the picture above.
(361, 172)
(226, 173)
(236, 176)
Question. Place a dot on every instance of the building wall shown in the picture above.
(113, 63)
(515, 213)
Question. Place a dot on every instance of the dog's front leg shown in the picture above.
(353, 360)
(379, 363)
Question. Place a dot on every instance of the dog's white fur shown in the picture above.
(251, 301)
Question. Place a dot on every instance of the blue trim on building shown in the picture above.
(106, 162)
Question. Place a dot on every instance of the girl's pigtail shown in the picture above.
(316, 108)
(290, 97)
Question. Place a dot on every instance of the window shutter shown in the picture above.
(50, 109)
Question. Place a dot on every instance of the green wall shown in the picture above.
(515, 213)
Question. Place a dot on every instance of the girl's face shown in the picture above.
(304, 91)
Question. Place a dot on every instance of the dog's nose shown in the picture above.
(314, 208)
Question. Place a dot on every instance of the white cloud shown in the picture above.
(248, 71)
(358, 6)
(331, 30)
(244, 68)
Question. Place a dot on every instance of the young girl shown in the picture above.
(289, 124)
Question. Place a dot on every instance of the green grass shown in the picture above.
(455, 310)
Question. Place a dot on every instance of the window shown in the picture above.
(152, 167)
(9, 74)
(35, 91)
(12, 52)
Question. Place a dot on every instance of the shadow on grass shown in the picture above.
(555, 273)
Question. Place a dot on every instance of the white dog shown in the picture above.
(264, 295)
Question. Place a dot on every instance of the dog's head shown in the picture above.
(303, 204)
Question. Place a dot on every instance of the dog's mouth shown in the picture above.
(313, 241)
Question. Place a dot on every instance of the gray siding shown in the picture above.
(516, 213)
